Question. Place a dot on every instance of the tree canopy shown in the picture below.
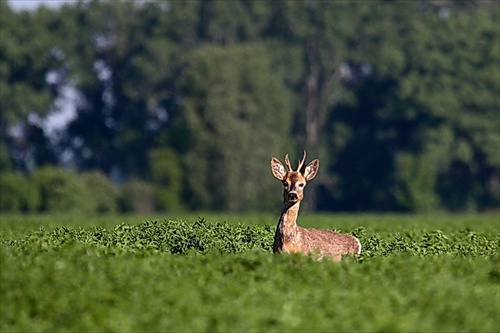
(398, 99)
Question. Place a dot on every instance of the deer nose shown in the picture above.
(292, 196)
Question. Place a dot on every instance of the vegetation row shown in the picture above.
(207, 276)
(52, 190)
(201, 237)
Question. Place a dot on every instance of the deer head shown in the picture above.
(294, 181)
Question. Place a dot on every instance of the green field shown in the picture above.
(216, 273)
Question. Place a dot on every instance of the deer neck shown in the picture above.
(287, 225)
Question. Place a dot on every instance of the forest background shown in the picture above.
(178, 105)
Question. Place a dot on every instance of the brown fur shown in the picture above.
(290, 237)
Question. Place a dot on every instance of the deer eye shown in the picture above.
(285, 184)
(301, 184)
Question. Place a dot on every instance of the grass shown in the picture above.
(427, 273)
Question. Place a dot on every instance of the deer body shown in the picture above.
(290, 237)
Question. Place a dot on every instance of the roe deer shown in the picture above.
(289, 236)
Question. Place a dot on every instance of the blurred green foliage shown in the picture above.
(62, 191)
(232, 97)
(102, 191)
(17, 193)
(166, 178)
(398, 99)
(137, 196)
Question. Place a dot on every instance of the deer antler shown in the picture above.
(287, 162)
(301, 162)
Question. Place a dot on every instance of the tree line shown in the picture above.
(188, 100)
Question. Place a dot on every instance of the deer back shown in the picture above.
(327, 242)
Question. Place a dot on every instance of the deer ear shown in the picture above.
(277, 169)
(311, 169)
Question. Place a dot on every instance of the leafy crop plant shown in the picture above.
(201, 275)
